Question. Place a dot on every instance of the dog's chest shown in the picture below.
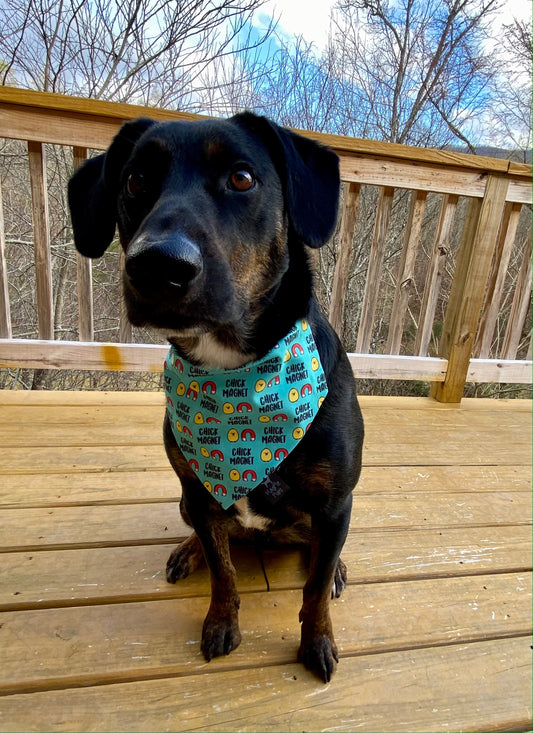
(248, 518)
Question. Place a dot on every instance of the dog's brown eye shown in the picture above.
(135, 184)
(241, 180)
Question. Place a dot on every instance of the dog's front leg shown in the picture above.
(318, 651)
(220, 633)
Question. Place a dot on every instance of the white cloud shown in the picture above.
(309, 18)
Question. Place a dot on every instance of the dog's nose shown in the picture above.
(171, 263)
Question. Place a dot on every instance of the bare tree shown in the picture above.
(411, 71)
(513, 111)
(144, 51)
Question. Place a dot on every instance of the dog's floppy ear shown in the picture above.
(93, 191)
(310, 176)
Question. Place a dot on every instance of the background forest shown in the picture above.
(428, 74)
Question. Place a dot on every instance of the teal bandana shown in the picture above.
(235, 426)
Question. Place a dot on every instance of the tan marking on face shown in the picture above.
(213, 147)
(255, 269)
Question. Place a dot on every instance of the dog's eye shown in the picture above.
(241, 180)
(135, 184)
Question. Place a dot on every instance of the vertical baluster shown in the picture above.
(489, 316)
(125, 329)
(5, 312)
(344, 253)
(406, 271)
(520, 306)
(375, 269)
(41, 236)
(84, 276)
(434, 274)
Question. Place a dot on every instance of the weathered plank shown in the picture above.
(73, 646)
(107, 487)
(374, 366)
(79, 399)
(124, 432)
(40, 354)
(414, 415)
(92, 526)
(152, 456)
(444, 479)
(114, 574)
(430, 406)
(90, 434)
(510, 370)
(131, 487)
(98, 399)
(103, 414)
(484, 685)
(81, 459)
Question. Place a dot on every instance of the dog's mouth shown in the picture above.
(212, 335)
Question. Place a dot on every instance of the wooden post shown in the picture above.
(441, 247)
(5, 313)
(375, 268)
(468, 288)
(344, 253)
(406, 271)
(84, 276)
(41, 237)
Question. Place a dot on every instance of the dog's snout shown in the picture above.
(171, 263)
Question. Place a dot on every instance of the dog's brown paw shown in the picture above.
(185, 559)
(339, 579)
(319, 656)
(220, 636)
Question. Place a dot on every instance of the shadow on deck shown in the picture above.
(433, 629)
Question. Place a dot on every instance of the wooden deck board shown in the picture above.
(433, 628)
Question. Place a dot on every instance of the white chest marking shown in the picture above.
(247, 518)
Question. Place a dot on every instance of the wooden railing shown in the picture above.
(495, 191)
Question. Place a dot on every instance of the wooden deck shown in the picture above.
(434, 628)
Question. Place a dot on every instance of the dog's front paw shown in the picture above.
(185, 559)
(220, 635)
(320, 656)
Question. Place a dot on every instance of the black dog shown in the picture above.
(214, 217)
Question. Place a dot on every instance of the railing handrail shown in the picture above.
(81, 108)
